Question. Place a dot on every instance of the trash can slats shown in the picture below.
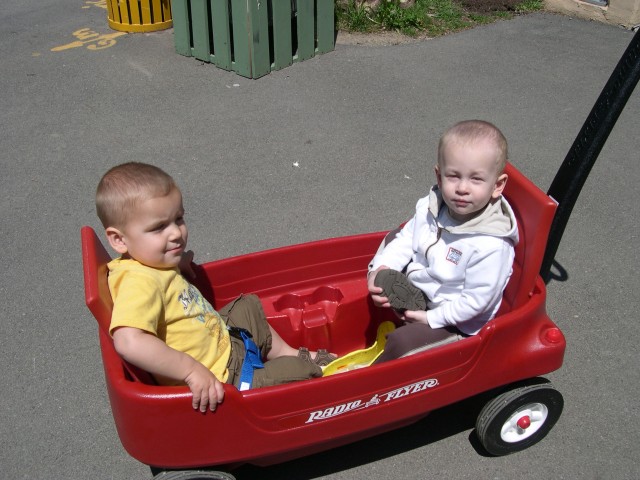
(253, 37)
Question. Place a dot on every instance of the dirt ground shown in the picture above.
(376, 39)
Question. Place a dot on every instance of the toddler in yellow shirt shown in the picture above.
(160, 322)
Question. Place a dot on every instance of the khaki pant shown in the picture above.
(416, 337)
(246, 312)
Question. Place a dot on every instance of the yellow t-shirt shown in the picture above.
(164, 304)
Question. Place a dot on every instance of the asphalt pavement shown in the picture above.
(340, 144)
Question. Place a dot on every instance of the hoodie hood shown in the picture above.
(497, 218)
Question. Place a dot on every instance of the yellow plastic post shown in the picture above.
(139, 15)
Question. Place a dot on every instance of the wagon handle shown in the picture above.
(584, 152)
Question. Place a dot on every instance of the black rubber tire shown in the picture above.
(193, 475)
(492, 425)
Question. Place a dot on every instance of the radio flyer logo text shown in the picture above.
(375, 400)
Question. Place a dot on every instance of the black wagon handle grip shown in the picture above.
(575, 168)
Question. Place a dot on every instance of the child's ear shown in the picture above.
(501, 182)
(437, 170)
(116, 240)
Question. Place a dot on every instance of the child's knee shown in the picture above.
(284, 370)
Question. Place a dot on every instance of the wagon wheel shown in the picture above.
(194, 475)
(519, 418)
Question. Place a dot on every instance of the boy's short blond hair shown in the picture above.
(122, 187)
(471, 131)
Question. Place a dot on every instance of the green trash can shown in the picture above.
(253, 37)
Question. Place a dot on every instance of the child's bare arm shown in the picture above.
(153, 355)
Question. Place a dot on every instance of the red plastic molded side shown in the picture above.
(534, 211)
(315, 295)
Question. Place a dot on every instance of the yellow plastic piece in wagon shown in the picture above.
(361, 358)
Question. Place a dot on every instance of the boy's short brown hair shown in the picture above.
(122, 187)
(471, 131)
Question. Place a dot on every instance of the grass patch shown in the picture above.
(428, 17)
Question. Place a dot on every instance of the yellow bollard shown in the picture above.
(139, 15)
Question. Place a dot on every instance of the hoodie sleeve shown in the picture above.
(398, 252)
(486, 276)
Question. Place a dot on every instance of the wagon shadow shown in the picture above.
(438, 425)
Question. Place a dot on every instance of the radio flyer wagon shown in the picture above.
(315, 295)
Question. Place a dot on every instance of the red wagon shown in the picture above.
(315, 295)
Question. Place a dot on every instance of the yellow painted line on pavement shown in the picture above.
(92, 40)
(88, 38)
(96, 3)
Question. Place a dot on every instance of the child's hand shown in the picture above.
(207, 390)
(185, 265)
(153, 355)
(415, 316)
(378, 299)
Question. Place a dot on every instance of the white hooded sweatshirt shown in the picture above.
(462, 268)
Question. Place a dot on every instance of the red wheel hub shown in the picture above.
(524, 422)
